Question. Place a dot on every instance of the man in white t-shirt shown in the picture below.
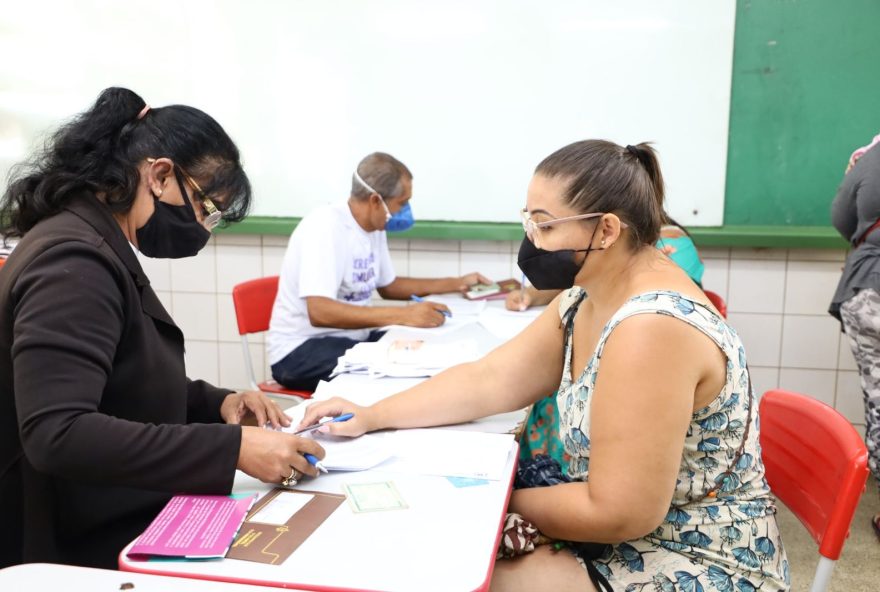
(336, 257)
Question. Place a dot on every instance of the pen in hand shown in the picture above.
(522, 294)
(415, 298)
(313, 460)
(315, 426)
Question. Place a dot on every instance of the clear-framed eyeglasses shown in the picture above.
(531, 227)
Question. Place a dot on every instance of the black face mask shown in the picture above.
(172, 232)
(551, 270)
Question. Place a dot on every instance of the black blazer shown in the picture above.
(99, 424)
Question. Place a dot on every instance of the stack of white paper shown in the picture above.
(401, 358)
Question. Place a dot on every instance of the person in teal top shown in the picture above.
(678, 245)
(542, 426)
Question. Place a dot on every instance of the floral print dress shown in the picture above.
(727, 541)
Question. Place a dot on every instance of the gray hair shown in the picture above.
(379, 173)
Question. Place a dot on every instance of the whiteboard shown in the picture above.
(471, 95)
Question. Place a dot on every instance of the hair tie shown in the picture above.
(146, 109)
(632, 150)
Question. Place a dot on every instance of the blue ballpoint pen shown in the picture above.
(315, 426)
(313, 460)
(415, 298)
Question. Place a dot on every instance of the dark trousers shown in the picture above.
(313, 361)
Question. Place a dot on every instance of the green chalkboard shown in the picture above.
(806, 93)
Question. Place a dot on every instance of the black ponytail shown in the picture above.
(100, 151)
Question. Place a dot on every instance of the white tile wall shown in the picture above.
(764, 379)
(761, 335)
(819, 384)
(809, 286)
(755, 285)
(196, 314)
(236, 264)
(433, 264)
(777, 300)
(715, 276)
(810, 341)
(196, 274)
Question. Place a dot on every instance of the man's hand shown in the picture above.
(472, 279)
(423, 314)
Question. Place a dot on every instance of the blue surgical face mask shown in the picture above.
(402, 220)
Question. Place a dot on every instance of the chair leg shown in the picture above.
(248, 363)
(823, 574)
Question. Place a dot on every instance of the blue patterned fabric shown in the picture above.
(729, 542)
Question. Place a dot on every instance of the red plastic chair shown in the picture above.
(717, 301)
(253, 302)
(817, 465)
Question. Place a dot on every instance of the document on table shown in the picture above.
(345, 454)
(361, 391)
(458, 305)
(507, 324)
(448, 453)
(450, 324)
(405, 357)
(432, 451)
(354, 454)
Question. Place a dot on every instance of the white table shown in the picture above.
(444, 542)
(52, 577)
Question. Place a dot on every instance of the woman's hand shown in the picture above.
(518, 300)
(271, 456)
(237, 406)
(364, 419)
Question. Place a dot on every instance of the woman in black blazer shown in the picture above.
(99, 424)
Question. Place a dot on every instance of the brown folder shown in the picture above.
(273, 543)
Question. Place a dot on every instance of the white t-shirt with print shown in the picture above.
(328, 255)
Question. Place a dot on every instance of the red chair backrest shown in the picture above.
(717, 301)
(816, 463)
(253, 302)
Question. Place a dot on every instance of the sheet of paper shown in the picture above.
(459, 305)
(281, 509)
(384, 358)
(507, 324)
(362, 390)
(449, 453)
(450, 324)
(345, 454)
(354, 454)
